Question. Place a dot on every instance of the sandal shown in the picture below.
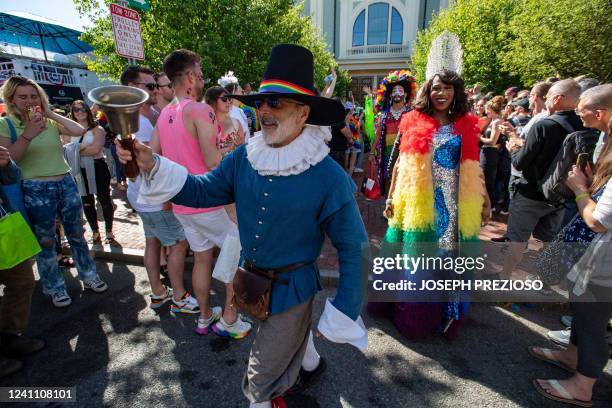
(565, 397)
(96, 238)
(66, 262)
(547, 356)
(112, 242)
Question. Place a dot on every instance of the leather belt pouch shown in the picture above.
(252, 288)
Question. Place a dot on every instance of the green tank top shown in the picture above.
(45, 154)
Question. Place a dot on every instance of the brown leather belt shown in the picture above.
(272, 272)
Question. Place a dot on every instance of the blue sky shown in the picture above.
(62, 11)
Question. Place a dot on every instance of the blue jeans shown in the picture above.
(43, 201)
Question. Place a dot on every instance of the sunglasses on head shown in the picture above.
(272, 102)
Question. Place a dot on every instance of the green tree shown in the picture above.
(481, 26)
(565, 37)
(235, 35)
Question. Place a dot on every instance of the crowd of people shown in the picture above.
(266, 175)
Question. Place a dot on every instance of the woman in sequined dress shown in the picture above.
(437, 203)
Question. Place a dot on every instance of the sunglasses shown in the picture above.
(151, 86)
(272, 102)
(82, 110)
(225, 98)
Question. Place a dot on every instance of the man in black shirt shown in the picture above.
(339, 143)
(529, 210)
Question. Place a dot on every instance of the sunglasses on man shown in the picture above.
(272, 102)
(151, 86)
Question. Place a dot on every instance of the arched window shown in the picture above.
(397, 27)
(378, 23)
(359, 30)
(384, 26)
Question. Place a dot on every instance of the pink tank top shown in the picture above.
(178, 145)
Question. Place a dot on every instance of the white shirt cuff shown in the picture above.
(163, 182)
(339, 328)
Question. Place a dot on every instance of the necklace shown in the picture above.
(397, 113)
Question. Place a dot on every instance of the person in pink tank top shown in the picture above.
(186, 133)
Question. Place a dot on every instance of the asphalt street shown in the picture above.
(119, 353)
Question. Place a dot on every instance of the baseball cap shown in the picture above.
(523, 103)
(512, 89)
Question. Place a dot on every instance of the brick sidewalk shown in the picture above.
(129, 233)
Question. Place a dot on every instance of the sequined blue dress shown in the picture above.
(445, 171)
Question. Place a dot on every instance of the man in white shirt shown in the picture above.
(160, 225)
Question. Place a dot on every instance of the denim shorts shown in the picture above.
(162, 225)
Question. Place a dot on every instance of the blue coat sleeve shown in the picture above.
(344, 226)
(211, 189)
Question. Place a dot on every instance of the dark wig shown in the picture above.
(213, 93)
(91, 122)
(459, 106)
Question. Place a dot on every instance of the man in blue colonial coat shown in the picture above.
(289, 194)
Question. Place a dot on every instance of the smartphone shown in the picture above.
(582, 160)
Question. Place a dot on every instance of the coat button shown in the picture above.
(270, 180)
(263, 208)
(256, 236)
(260, 222)
(254, 249)
(266, 194)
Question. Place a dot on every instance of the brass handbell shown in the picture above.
(121, 106)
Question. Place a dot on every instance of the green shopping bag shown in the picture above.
(17, 242)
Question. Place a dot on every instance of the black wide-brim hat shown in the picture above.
(290, 74)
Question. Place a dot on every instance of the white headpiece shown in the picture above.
(228, 79)
(445, 53)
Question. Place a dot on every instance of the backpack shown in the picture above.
(553, 183)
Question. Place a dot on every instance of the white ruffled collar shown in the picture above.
(307, 150)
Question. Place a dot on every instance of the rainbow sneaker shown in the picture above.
(237, 330)
(203, 326)
(186, 304)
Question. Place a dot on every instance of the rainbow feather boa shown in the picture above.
(413, 199)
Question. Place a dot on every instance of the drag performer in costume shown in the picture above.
(437, 199)
(289, 194)
(394, 97)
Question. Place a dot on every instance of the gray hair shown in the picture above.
(587, 83)
(598, 97)
(567, 87)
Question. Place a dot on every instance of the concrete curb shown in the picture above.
(329, 277)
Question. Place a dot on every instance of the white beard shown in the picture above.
(277, 136)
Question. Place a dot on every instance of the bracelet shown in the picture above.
(582, 195)
(29, 140)
(389, 201)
